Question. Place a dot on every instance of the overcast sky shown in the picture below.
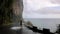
(33, 7)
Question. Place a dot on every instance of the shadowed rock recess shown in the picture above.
(10, 12)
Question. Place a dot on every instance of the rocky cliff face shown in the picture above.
(10, 10)
(18, 9)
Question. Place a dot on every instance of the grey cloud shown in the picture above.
(51, 10)
(55, 1)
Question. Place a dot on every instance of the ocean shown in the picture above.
(49, 23)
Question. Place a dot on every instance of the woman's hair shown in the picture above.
(6, 11)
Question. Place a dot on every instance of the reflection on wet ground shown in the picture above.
(8, 30)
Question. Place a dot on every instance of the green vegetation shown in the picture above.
(6, 11)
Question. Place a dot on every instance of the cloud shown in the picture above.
(49, 10)
(33, 9)
(55, 1)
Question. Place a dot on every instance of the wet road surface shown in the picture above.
(24, 30)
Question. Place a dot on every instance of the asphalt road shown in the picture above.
(25, 30)
(16, 30)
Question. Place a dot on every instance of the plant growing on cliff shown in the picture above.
(6, 13)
